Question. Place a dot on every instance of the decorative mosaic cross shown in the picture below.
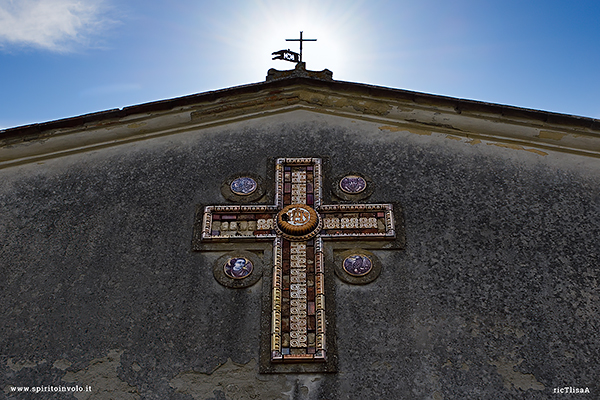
(297, 224)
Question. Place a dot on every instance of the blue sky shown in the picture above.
(62, 58)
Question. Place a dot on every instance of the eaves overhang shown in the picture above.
(395, 109)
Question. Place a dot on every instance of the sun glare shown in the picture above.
(261, 27)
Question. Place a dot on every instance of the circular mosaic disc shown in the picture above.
(238, 267)
(298, 220)
(358, 265)
(243, 186)
(353, 184)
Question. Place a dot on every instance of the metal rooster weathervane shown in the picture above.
(288, 55)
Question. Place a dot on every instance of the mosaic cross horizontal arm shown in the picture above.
(297, 224)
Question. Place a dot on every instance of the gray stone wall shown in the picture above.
(495, 295)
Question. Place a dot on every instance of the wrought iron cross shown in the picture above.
(297, 225)
(301, 40)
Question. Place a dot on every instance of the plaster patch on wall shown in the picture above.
(382, 366)
(390, 128)
(510, 377)
(19, 365)
(495, 328)
(517, 147)
(435, 383)
(303, 386)
(399, 129)
(101, 374)
(62, 364)
(136, 125)
(453, 138)
(365, 106)
(234, 381)
(551, 135)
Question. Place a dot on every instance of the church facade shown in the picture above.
(301, 238)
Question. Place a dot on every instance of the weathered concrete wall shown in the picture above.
(494, 297)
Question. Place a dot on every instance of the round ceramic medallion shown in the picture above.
(243, 186)
(353, 184)
(298, 222)
(238, 267)
(357, 264)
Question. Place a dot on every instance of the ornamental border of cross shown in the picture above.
(298, 262)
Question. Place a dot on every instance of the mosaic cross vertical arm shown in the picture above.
(297, 224)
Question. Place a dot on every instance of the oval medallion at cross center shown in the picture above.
(296, 221)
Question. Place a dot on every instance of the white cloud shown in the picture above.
(55, 25)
